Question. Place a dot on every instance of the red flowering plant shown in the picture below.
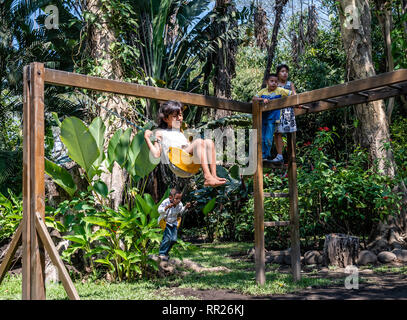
(341, 195)
(336, 194)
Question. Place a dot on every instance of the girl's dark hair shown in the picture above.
(166, 109)
(281, 66)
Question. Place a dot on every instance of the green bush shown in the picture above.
(120, 242)
(11, 213)
(399, 145)
(220, 206)
(250, 65)
(347, 197)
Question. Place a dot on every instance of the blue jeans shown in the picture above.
(169, 239)
(267, 134)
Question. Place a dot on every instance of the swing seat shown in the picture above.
(163, 223)
(183, 160)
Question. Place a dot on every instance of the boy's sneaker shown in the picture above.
(278, 159)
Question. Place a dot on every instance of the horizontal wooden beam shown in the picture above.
(354, 99)
(353, 87)
(276, 223)
(275, 195)
(63, 78)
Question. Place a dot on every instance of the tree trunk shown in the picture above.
(383, 10)
(260, 27)
(101, 37)
(224, 56)
(373, 128)
(271, 49)
(340, 250)
(404, 11)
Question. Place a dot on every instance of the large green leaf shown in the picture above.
(111, 147)
(122, 148)
(154, 208)
(145, 163)
(134, 151)
(82, 147)
(101, 188)
(97, 128)
(97, 220)
(143, 206)
(209, 206)
(60, 176)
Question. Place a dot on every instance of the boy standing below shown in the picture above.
(270, 118)
(170, 209)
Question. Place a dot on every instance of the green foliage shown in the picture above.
(80, 142)
(220, 206)
(399, 42)
(11, 213)
(348, 197)
(86, 147)
(61, 177)
(399, 145)
(250, 65)
(11, 169)
(118, 241)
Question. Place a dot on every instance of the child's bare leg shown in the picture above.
(198, 148)
(211, 154)
(279, 142)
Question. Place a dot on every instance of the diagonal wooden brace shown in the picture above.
(15, 243)
(55, 258)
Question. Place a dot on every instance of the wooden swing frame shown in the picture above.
(32, 232)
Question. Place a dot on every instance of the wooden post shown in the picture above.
(259, 256)
(26, 238)
(294, 216)
(33, 182)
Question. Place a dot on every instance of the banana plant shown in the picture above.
(85, 146)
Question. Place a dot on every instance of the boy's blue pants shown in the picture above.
(267, 134)
(169, 239)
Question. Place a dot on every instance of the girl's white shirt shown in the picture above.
(171, 138)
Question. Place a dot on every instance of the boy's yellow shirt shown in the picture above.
(279, 92)
(274, 94)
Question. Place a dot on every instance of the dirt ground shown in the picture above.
(372, 286)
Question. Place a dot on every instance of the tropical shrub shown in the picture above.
(121, 240)
(11, 213)
(334, 196)
(220, 206)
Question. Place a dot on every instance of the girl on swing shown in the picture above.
(169, 139)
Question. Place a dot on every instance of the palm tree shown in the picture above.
(24, 39)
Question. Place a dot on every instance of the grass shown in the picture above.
(240, 279)
(390, 269)
(10, 289)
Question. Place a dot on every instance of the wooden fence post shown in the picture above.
(33, 286)
(26, 239)
(258, 194)
(294, 217)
